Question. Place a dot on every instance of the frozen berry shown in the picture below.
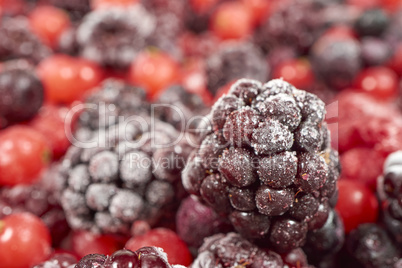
(22, 96)
(380, 82)
(297, 72)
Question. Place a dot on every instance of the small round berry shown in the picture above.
(372, 22)
(279, 170)
(24, 240)
(84, 243)
(123, 258)
(214, 190)
(49, 23)
(24, 153)
(232, 21)
(312, 172)
(273, 202)
(250, 224)
(66, 79)
(154, 70)
(166, 239)
(380, 82)
(287, 234)
(297, 72)
(356, 204)
(95, 4)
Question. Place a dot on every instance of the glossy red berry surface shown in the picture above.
(356, 204)
(49, 23)
(154, 70)
(84, 243)
(24, 153)
(166, 239)
(297, 72)
(232, 20)
(380, 82)
(24, 241)
(66, 78)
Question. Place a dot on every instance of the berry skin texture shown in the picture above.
(49, 23)
(22, 95)
(166, 239)
(356, 204)
(84, 243)
(66, 79)
(232, 21)
(24, 241)
(380, 82)
(154, 70)
(24, 153)
(297, 72)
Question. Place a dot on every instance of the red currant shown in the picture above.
(259, 9)
(24, 153)
(155, 71)
(84, 243)
(232, 20)
(202, 6)
(24, 241)
(380, 82)
(175, 248)
(50, 122)
(66, 79)
(297, 72)
(49, 23)
(356, 204)
(95, 4)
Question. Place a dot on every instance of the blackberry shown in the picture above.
(257, 166)
(113, 37)
(232, 250)
(195, 221)
(390, 193)
(17, 41)
(132, 169)
(233, 61)
(375, 51)
(336, 61)
(370, 245)
(372, 22)
(22, 95)
(179, 107)
(298, 24)
(324, 243)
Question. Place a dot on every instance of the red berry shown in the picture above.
(259, 9)
(154, 70)
(380, 82)
(364, 4)
(66, 79)
(202, 6)
(356, 204)
(49, 23)
(84, 243)
(24, 241)
(50, 122)
(396, 61)
(297, 72)
(194, 79)
(391, 5)
(96, 4)
(232, 20)
(363, 165)
(339, 32)
(24, 153)
(171, 243)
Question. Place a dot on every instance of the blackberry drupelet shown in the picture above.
(17, 41)
(234, 61)
(390, 192)
(232, 250)
(113, 37)
(132, 172)
(265, 162)
(22, 95)
(371, 246)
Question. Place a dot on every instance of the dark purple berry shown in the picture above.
(273, 202)
(287, 234)
(372, 22)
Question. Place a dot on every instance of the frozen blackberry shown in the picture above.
(21, 93)
(258, 167)
(336, 61)
(234, 61)
(113, 37)
(372, 22)
(232, 250)
(17, 41)
(179, 107)
(372, 247)
(126, 168)
(390, 193)
(325, 242)
(195, 221)
(298, 23)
